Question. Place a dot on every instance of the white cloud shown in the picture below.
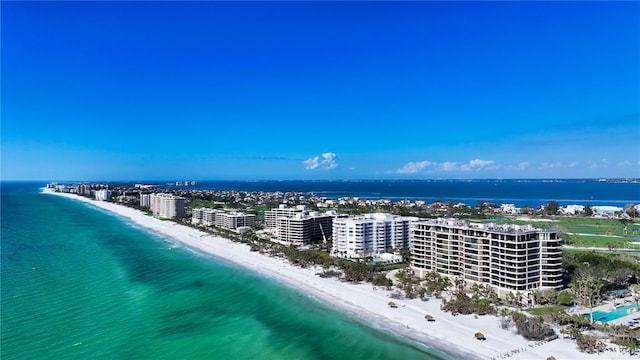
(327, 162)
(602, 164)
(414, 167)
(477, 164)
(446, 166)
(523, 165)
(548, 165)
(449, 166)
(627, 163)
(311, 163)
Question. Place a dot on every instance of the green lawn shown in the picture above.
(546, 310)
(588, 232)
(591, 226)
(199, 203)
(597, 241)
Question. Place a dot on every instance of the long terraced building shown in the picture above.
(509, 257)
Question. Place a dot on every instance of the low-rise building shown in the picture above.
(222, 219)
(509, 209)
(572, 209)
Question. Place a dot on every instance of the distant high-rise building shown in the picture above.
(145, 200)
(102, 195)
(85, 189)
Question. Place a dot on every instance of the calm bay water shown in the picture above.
(79, 283)
(518, 192)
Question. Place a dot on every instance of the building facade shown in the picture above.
(166, 205)
(222, 219)
(370, 235)
(145, 200)
(508, 257)
(296, 226)
(303, 228)
(271, 216)
(102, 195)
(234, 220)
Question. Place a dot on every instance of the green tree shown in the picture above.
(565, 298)
(552, 207)
(625, 222)
(588, 210)
(383, 280)
(587, 288)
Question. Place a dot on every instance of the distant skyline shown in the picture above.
(319, 90)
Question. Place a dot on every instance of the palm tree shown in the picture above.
(536, 296)
(476, 289)
(635, 290)
(505, 319)
(588, 288)
(459, 284)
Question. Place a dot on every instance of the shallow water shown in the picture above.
(79, 283)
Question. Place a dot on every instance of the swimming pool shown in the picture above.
(605, 316)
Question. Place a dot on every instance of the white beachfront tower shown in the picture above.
(508, 257)
(370, 235)
(145, 200)
(167, 205)
(102, 195)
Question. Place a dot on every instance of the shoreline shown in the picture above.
(452, 336)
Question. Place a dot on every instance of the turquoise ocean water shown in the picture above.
(80, 283)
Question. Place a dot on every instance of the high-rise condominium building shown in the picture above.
(271, 216)
(509, 257)
(370, 235)
(102, 195)
(297, 226)
(303, 228)
(145, 200)
(167, 205)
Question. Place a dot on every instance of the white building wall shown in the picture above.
(145, 200)
(167, 205)
(103, 195)
(370, 235)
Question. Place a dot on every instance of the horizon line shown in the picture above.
(335, 180)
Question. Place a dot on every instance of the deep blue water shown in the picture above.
(519, 192)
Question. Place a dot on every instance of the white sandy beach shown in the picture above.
(453, 335)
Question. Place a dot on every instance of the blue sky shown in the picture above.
(319, 90)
